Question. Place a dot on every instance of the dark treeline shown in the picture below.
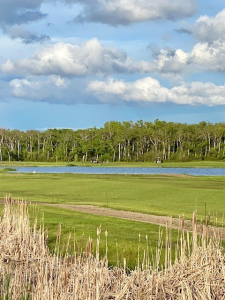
(126, 141)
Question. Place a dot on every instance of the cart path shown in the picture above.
(170, 222)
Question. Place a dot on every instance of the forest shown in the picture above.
(117, 141)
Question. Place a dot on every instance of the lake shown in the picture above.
(124, 170)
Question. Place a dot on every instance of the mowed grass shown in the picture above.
(152, 194)
(123, 240)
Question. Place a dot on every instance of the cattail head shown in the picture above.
(182, 223)
(98, 230)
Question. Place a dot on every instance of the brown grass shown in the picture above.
(29, 271)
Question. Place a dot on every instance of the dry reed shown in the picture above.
(29, 271)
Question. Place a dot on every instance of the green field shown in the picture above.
(123, 235)
(153, 194)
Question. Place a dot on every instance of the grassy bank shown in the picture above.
(166, 164)
(153, 194)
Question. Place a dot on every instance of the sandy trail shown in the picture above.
(144, 218)
(136, 216)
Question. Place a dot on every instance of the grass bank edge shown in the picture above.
(190, 164)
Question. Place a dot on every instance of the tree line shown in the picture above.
(117, 141)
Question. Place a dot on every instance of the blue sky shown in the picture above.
(81, 63)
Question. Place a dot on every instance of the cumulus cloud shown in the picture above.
(72, 60)
(149, 90)
(27, 37)
(92, 58)
(207, 29)
(209, 56)
(203, 56)
(125, 12)
(210, 29)
(170, 61)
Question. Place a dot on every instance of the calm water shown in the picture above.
(111, 170)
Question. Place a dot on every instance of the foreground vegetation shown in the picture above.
(115, 141)
(152, 194)
(125, 236)
(29, 271)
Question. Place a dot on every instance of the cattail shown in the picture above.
(194, 221)
(29, 271)
(182, 223)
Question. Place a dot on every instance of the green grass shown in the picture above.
(123, 235)
(166, 164)
(153, 194)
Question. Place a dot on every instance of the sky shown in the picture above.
(81, 63)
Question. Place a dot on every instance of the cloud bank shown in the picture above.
(92, 58)
(143, 91)
(125, 12)
(149, 90)
(73, 60)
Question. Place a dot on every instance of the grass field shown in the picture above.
(153, 194)
(123, 235)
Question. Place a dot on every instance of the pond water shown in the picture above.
(124, 170)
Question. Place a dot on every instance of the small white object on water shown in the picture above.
(34, 172)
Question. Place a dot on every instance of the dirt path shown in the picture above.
(144, 218)
(138, 217)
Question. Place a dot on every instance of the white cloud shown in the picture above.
(125, 12)
(171, 61)
(149, 90)
(209, 29)
(92, 58)
(72, 60)
(143, 91)
(209, 56)
(59, 81)
(203, 56)
(23, 88)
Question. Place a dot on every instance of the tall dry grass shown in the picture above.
(29, 271)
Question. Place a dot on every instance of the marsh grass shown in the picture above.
(30, 271)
